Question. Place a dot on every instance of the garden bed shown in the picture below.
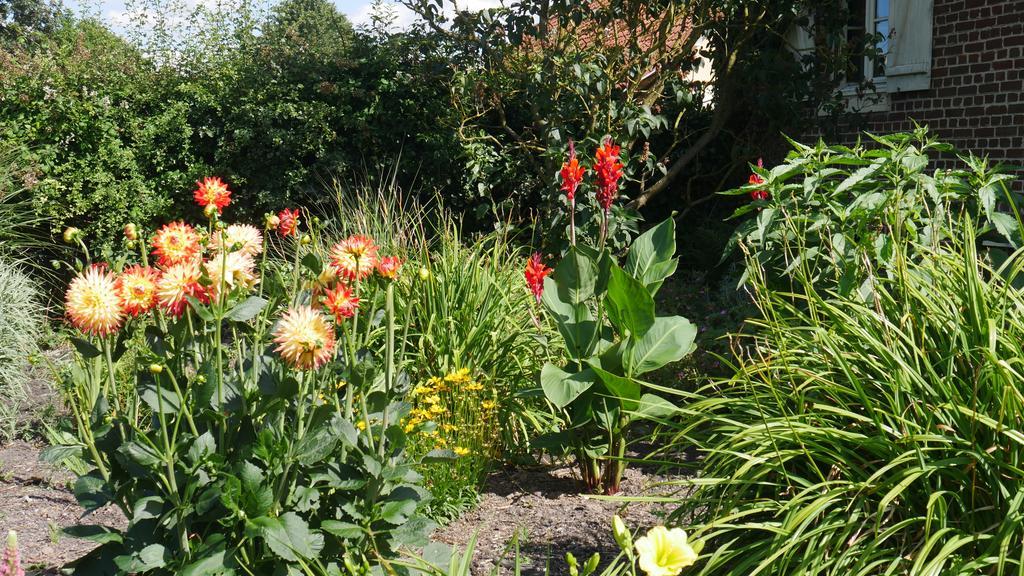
(542, 505)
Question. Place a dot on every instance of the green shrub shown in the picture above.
(102, 145)
(21, 317)
(837, 216)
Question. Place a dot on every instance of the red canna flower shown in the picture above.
(761, 193)
(389, 266)
(608, 170)
(535, 273)
(212, 191)
(288, 223)
(341, 302)
(571, 173)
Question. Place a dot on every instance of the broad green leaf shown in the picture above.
(575, 322)
(85, 348)
(625, 389)
(140, 454)
(93, 533)
(289, 537)
(149, 558)
(575, 277)
(158, 398)
(859, 176)
(668, 340)
(92, 492)
(650, 257)
(655, 407)
(630, 305)
(340, 529)
(247, 310)
(561, 387)
(397, 512)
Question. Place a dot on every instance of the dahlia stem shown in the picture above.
(389, 359)
(110, 384)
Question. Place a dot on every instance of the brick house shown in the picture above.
(956, 66)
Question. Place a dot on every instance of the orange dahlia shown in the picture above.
(389, 266)
(175, 243)
(136, 288)
(288, 222)
(233, 270)
(212, 191)
(242, 238)
(304, 339)
(92, 303)
(177, 283)
(341, 302)
(355, 257)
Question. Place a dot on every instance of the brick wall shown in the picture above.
(976, 99)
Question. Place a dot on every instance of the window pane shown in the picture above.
(881, 8)
(883, 29)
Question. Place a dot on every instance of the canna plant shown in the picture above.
(260, 429)
(612, 337)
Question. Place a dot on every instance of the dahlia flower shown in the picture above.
(389, 266)
(664, 552)
(608, 170)
(341, 302)
(288, 222)
(304, 339)
(175, 243)
(355, 257)
(233, 270)
(572, 174)
(242, 238)
(92, 301)
(177, 283)
(136, 288)
(212, 191)
(761, 193)
(535, 273)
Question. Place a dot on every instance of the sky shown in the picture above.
(117, 14)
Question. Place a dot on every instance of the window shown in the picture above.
(868, 23)
(902, 30)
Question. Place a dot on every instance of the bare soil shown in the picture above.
(544, 509)
(36, 500)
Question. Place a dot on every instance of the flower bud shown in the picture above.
(155, 368)
(622, 534)
(592, 563)
(272, 221)
(210, 211)
(424, 273)
(574, 569)
(131, 232)
(306, 240)
(71, 234)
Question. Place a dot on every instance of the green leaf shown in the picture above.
(655, 407)
(92, 492)
(859, 176)
(247, 310)
(316, 447)
(85, 348)
(625, 389)
(149, 558)
(561, 387)
(140, 454)
(93, 533)
(668, 340)
(157, 397)
(397, 512)
(202, 447)
(289, 537)
(650, 259)
(345, 530)
(1007, 226)
(630, 305)
(313, 263)
(575, 277)
(575, 322)
(200, 309)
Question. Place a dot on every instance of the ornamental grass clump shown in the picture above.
(863, 437)
(259, 429)
(21, 319)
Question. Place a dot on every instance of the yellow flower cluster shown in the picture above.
(462, 409)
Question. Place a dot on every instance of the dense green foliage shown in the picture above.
(836, 215)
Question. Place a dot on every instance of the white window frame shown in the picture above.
(878, 100)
